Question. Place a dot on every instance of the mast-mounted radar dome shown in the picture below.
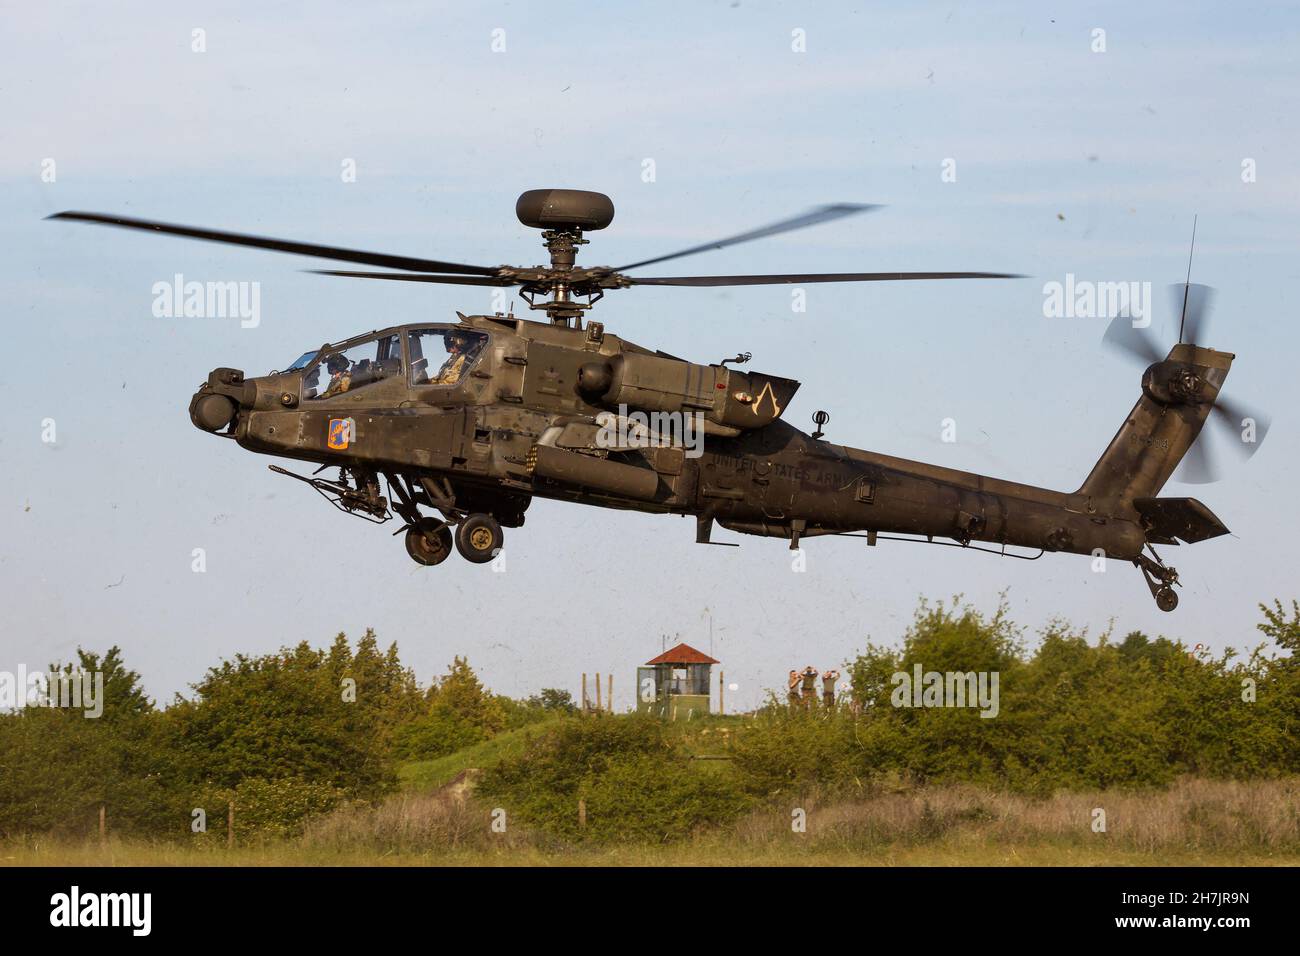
(564, 209)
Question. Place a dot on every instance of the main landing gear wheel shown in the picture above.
(479, 538)
(428, 541)
(1166, 599)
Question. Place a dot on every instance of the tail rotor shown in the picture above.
(1240, 427)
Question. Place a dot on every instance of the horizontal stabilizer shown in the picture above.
(1168, 518)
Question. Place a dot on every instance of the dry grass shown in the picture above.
(444, 820)
(1193, 815)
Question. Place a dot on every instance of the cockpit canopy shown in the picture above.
(437, 356)
(302, 360)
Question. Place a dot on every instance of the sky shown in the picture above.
(700, 120)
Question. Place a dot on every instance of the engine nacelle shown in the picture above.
(656, 383)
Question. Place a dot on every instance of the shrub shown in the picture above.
(638, 787)
(269, 808)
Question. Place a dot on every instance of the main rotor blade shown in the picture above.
(812, 217)
(415, 277)
(1136, 342)
(1245, 426)
(1192, 301)
(276, 245)
(818, 277)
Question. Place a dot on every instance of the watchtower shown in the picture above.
(675, 684)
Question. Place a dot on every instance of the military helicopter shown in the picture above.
(465, 422)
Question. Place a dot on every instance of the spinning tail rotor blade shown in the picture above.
(1137, 343)
(1235, 425)
(1244, 427)
(1192, 302)
(1199, 466)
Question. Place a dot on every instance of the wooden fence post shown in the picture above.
(230, 824)
(722, 689)
(103, 825)
(584, 692)
(598, 707)
(609, 698)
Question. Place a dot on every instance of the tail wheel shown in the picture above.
(428, 541)
(479, 538)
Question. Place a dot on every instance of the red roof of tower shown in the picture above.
(682, 654)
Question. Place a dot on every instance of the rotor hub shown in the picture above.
(562, 215)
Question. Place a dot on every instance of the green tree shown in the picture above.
(59, 765)
(458, 713)
(290, 715)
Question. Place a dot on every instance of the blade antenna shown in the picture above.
(1187, 286)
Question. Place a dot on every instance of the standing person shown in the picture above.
(809, 686)
(828, 687)
(793, 689)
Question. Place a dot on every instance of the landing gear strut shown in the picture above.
(1160, 579)
(476, 535)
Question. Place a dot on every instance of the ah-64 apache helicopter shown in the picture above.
(471, 420)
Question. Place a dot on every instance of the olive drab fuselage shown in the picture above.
(525, 415)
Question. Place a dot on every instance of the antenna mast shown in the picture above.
(1187, 286)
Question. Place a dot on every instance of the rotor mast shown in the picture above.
(562, 214)
(562, 244)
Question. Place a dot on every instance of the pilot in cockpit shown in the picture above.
(459, 355)
(340, 375)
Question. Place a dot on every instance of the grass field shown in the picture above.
(945, 853)
(416, 775)
(706, 737)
